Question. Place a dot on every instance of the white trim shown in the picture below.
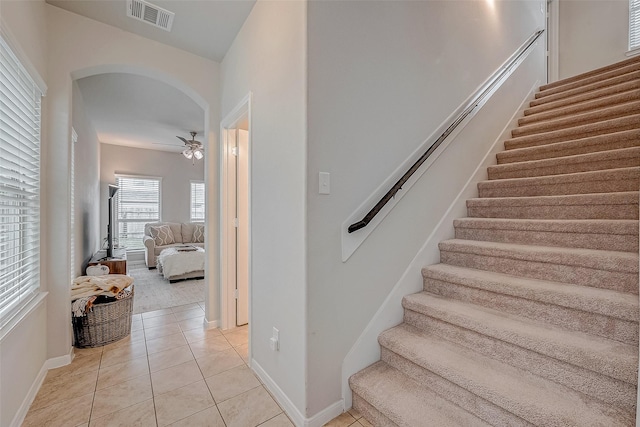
(299, 420)
(226, 311)
(60, 361)
(633, 52)
(210, 324)
(389, 314)
(23, 57)
(21, 414)
(21, 314)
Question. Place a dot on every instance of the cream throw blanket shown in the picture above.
(176, 263)
(110, 285)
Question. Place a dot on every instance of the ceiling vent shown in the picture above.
(151, 14)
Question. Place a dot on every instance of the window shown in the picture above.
(197, 201)
(137, 203)
(19, 185)
(634, 24)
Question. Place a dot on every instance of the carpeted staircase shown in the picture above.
(531, 317)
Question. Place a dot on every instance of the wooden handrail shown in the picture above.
(471, 105)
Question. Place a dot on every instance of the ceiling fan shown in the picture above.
(193, 149)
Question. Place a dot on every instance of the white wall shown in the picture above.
(268, 59)
(176, 172)
(87, 236)
(79, 47)
(23, 350)
(382, 77)
(593, 34)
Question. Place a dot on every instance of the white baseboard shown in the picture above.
(299, 420)
(53, 363)
(60, 361)
(211, 324)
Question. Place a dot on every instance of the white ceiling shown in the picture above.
(138, 111)
(203, 27)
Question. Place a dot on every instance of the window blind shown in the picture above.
(197, 201)
(20, 99)
(634, 24)
(137, 203)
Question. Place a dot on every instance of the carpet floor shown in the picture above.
(154, 292)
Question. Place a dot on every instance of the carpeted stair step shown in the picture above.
(603, 160)
(586, 81)
(577, 132)
(602, 312)
(622, 205)
(496, 388)
(387, 397)
(611, 141)
(602, 234)
(606, 181)
(607, 357)
(597, 116)
(537, 107)
(613, 270)
(591, 73)
(543, 98)
(580, 108)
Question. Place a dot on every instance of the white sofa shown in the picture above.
(182, 234)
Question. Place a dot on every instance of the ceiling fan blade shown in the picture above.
(183, 140)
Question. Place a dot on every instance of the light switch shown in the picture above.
(324, 183)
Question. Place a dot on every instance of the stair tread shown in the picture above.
(623, 197)
(576, 132)
(608, 357)
(533, 115)
(607, 302)
(587, 74)
(588, 80)
(595, 116)
(598, 175)
(537, 400)
(578, 257)
(537, 106)
(404, 401)
(621, 153)
(596, 226)
(631, 137)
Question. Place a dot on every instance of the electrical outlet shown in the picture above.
(274, 342)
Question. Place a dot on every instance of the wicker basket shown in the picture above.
(104, 324)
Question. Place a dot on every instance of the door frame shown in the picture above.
(227, 241)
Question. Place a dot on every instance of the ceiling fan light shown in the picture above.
(198, 154)
(188, 153)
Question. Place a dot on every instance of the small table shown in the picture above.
(117, 264)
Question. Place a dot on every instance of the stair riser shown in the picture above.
(596, 72)
(467, 400)
(599, 115)
(614, 280)
(597, 144)
(626, 211)
(542, 99)
(625, 160)
(370, 413)
(579, 132)
(532, 117)
(536, 107)
(609, 390)
(577, 320)
(535, 189)
(611, 242)
(546, 91)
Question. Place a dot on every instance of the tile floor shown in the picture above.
(169, 372)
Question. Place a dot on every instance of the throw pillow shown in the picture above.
(162, 235)
(198, 233)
